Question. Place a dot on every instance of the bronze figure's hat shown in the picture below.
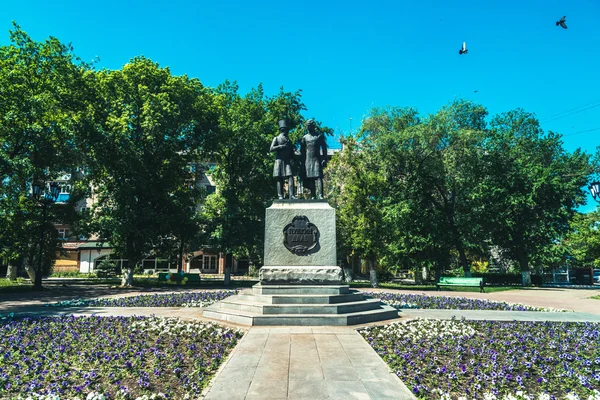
(283, 123)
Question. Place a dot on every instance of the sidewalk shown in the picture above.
(568, 299)
(312, 363)
(493, 315)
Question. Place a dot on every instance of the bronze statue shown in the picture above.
(284, 156)
(313, 160)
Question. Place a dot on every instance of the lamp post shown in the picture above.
(45, 199)
(595, 190)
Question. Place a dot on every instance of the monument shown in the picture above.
(313, 150)
(300, 281)
(284, 156)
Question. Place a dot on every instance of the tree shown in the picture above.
(357, 195)
(42, 106)
(233, 217)
(583, 239)
(432, 171)
(149, 125)
(533, 186)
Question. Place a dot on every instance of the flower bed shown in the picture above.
(402, 300)
(185, 299)
(491, 359)
(118, 357)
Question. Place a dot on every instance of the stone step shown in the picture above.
(235, 303)
(299, 289)
(249, 318)
(247, 295)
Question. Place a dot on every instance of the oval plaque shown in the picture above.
(301, 236)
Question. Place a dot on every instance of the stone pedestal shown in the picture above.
(300, 283)
(300, 244)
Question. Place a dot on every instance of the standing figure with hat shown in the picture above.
(284, 155)
(313, 159)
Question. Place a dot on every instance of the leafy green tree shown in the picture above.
(43, 99)
(149, 126)
(432, 171)
(583, 239)
(233, 217)
(533, 186)
(357, 195)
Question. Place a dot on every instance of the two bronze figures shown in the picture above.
(313, 156)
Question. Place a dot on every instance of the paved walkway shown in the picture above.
(305, 363)
(493, 315)
(563, 298)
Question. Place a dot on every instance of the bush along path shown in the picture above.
(456, 359)
(112, 357)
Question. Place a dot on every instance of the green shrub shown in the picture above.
(106, 269)
(71, 274)
(253, 271)
(385, 276)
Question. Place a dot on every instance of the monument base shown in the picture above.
(300, 305)
(308, 275)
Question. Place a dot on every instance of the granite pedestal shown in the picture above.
(300, 282)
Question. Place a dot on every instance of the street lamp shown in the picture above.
(44, 199)
(595, 190)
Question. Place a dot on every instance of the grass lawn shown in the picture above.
(20, 285)
(121, 357)
(595, 297)
(491, 360)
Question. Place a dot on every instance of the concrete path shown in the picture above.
(568, 299)
(405, 314)
(493, 315)
(305, 363)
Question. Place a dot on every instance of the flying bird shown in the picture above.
(562, 22)
(475, 91)
(463, 50)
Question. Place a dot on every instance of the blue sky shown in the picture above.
(350, 56)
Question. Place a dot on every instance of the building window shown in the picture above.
(210, 263)
(63, 233)
(211, 189)
(65, 189)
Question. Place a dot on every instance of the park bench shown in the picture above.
(173, 276)
(460, 281)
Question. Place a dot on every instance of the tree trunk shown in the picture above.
(463, 261)
(524, 265)
(127, 280)
(11, 272)
(418, 275)
(372, 273)
(29, 261)
(346, 270)
(180, 261)
(37, 283)
(438, 271)
(133, 257)
(228, 266)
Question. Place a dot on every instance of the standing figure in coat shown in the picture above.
(284, 155)
(313, 149)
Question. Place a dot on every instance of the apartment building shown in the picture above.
(81, 254)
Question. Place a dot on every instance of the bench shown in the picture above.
(177, 278)
(452, 281)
